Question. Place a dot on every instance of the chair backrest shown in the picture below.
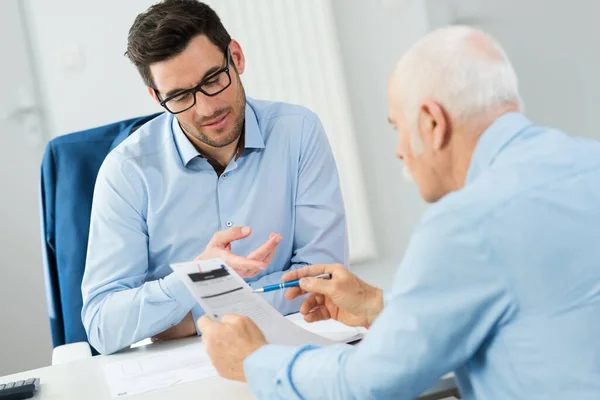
(69, 170)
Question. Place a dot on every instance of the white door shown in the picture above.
(24, 328)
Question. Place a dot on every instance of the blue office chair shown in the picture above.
(69, 169)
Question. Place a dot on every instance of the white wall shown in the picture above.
(373, 34)
(24, 328)
(77, 42)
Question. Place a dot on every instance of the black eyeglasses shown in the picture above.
(211, 86)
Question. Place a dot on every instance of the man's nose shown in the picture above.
(399, 154)
(204, 107)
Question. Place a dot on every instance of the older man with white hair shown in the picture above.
(500, 282)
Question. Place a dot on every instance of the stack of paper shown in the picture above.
(331, 329)
(158, 370)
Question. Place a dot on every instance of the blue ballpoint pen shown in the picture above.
(284, 285)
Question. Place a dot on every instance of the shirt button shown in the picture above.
(229, 224)
(224, 175)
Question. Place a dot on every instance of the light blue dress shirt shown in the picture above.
(157, 202)
(500, 283)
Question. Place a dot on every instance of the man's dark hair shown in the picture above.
(165, 29)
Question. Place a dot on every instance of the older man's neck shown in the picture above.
(469, 135)
(476, 125)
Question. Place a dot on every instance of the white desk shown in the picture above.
(85, 380)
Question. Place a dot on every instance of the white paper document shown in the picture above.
(219, 290)
(331, 329)
(158, 370)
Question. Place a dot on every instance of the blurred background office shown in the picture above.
(62, 70)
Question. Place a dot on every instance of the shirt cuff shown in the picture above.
(176, 290)
(268, 371)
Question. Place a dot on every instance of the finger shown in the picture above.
(320, 314)
(314, 285)
(314, 300)
(294, 293)
(205, 323)
(267, 249)
(225, 237)
(242, 263)
(249, 273)
(310, 270)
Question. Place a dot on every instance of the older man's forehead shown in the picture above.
(394, 108)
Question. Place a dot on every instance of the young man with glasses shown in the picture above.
(199, 176)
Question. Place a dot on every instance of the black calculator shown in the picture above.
(19, 390)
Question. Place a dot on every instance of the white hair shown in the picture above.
(463, 69)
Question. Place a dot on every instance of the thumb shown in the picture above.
(224, 238)
(230, 319)
(205, 323)
(314, 285)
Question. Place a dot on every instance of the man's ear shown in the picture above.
(433, 123)
(237, 56)
(152, 94)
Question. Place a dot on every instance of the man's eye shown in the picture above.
(181, 98)
(211, 82)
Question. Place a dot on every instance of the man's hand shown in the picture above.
(246, 267)
(183, 329)
(344, 297)
(229, 342)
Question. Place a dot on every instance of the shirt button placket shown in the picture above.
(222, 179)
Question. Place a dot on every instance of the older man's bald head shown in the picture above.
(461, 68)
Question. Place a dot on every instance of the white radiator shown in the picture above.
(292, 55)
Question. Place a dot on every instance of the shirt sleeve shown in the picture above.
(119, 306)
(320, 234)
(447, 298)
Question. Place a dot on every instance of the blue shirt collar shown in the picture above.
(252, 140)
(129, 127)
(494, 140)
(254, 137)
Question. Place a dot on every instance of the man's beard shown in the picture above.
(223, 139)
